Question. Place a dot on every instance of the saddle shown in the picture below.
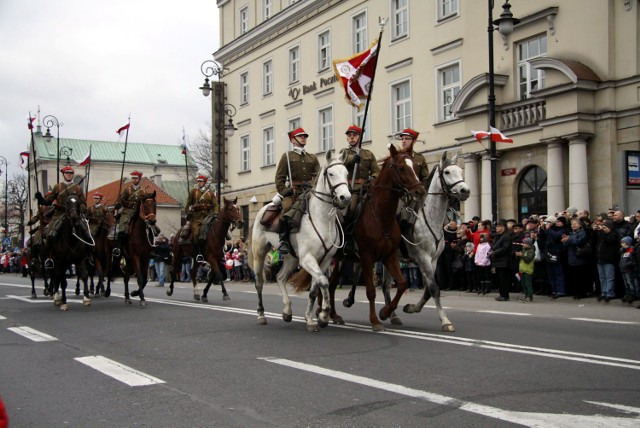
(185, 234)
(269, 217)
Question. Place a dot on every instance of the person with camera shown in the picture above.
(576, 244)
(500, 256)
(295, 171)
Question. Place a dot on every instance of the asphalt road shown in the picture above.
(179, 362)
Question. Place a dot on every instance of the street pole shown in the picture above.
(50, 121)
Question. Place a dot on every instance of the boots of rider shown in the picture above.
(198, 250)
(121, 244)
(284, 236)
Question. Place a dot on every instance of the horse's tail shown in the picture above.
(301, 281)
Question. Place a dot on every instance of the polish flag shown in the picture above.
(498, 137)
(30, 122)
(22, 156)
(121, 131)
(85, 161)
(480, 135)
(184, 148)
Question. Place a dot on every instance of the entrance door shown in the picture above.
(532, 193)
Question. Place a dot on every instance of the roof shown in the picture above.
(110, 151)
(110, 192)
(177, 189)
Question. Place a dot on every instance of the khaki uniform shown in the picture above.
(368, 167)
(129, 199)
(304, 167)
(420, 167)
(200, 204)
(95, 215)
(57, 198)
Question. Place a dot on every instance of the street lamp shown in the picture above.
(50, 121)
(6, 195)
(66, 151)
(210, 68)
(505, 26)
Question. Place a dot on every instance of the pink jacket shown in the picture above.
(482, 254)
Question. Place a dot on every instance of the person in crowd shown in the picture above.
(606, 251)
(367, 168)
(444, 269)
(517, 235)
(578, 282)
(554, 254)
(526, 255)
(201, 203)
(501, 259)
(459, 275)
(470, 270)
(161, 256)
(628, 268)
(303, 167)
(480, 228)
(185, 269)
(237, 265)
(483, 262)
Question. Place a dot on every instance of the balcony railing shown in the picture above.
(522, 113)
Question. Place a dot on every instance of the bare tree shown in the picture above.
(16, 197)
(202, 152)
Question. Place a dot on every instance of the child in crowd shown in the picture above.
(627, 266)
(483, 262)
(526, 266)
(470, 268)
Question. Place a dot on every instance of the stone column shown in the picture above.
(578, 172)
(485, 199)
(555, 177)
(471, 177)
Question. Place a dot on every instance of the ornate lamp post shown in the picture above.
(50, 121)
(505, 26)
(66, 151)
(211, 68)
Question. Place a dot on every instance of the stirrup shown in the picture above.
(284, 248)
(199, 258)
(48, 264)
(116, 252)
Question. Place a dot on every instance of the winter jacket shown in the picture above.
(627, 260)
(501, 251)
(576, 239)
(526, 260)
(606, 250)
(482, 254)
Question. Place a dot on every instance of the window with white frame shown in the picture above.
(268, 147)
(324, 50)
(244, 88)
(359, 26)
(245, 153)
(366, 129)
(325, 123)
(267, 7)
(530, 79)
(294, 64)
(399, 18)
(401, 104)
(244, 20)
(447, 8)
(448, 88)
(267, 77)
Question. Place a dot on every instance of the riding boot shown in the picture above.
(198, 250)
(284, 247)
(121, 245)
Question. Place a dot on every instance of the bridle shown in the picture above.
(330, 197)
(148, 218)
(74, 216)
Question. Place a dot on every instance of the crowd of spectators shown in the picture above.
(14, 262)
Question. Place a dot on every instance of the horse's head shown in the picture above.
(335, 180)
(72, 207)
(451, 178)
(147, 209)
(404, 178)
(230, 213)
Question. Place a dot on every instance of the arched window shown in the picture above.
(532, 192)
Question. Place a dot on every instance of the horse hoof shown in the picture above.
(338, 320)
(34, 296)
(77, 291)
(135, 293)
(312, 328)
(86, 301)
(142, 304)
(196, 297)
(448, 328)
(322, 324)
(383, 314)
(127, 301)
(396, 321)
(377, 327)
(226, 297)
(64, 307)
(262, 320)
(107, 293)
(287, 317)
(347, 303)
(169, 292)
(205, 299)
(409, 309)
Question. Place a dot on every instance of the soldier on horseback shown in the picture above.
(57, 197)
(201, 204)
(95, 213)
(367, 168)
(126, 205)
(408, 139)
(298, 168)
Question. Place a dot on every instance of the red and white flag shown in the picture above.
(356, 74)
(496, 136)
(30, 122)
(84, 161)
(480, 135)
(121, 131)
(23, 155)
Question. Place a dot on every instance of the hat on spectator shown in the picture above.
(136, 174)
(608, 223)
(518, 225)
(627, 240)
(551, 219)
(501, 222)
(572, 210)
(527, 241)
(562, 220)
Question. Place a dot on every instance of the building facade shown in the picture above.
(567, 88)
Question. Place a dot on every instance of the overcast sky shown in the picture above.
(91, 63)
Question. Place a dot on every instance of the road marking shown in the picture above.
(603, 321)
(626, 409)
(505, 313)
(31, 334)
(119, 371)
(2, 318)
(522, 418)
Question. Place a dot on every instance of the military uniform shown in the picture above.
(127, 205)
(95, 215)
(420, 167)
(368, 167)
(409, 137)
(57, 197)
(200, 203)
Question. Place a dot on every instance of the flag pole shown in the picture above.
(87, 169)
(381, 22)
(124, 156)
(33, 150)
(186, 166)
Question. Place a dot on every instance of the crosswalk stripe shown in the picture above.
(120, 372)
(31, 334)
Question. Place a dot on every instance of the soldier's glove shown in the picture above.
(118, 205)
(287, 192)
(356, 158)
(39, 197)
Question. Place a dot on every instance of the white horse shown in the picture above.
(445, 181)
(315, 244)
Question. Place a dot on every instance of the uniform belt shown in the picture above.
(297, 182)
(360, 180)
(202, 207)
(129, 204)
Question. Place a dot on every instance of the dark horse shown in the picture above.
(36, 256)
(377, 233)
(101, 255)
(137, 250)
(229, 218)
(70, 247)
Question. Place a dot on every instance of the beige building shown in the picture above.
(567, 88)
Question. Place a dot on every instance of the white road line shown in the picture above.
(31, 334)
(119, 371)
(522, 418)
(2, 318)
(603, 321)
(505, 313)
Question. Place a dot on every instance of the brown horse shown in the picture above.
(377, 232)
(101, 255)
(138, 248)
(36, 255)
(229, 218)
